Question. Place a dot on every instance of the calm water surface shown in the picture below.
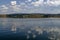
(27, 28)
(43, 22)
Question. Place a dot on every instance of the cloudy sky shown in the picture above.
(29, 6)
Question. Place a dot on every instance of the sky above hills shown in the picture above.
(29, 6)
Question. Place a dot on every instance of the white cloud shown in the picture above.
(53, 2)
(13, 2)
(48, 2)
(22, 4)
(4, 7)
(15, 8)
(29, 0)
(10, 8)
(34, 7)
(37, 3)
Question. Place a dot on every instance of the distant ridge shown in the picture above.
(32, 15)
(35, 13)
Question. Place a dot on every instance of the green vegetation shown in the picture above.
(29, 15)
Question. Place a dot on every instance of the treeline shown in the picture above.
(29, 15)
(26, 16)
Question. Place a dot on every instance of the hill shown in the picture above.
(32, 15)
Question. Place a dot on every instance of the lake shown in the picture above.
(29, 28)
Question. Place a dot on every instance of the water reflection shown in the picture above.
(39, 29)
(28, 36)
(13, 28)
